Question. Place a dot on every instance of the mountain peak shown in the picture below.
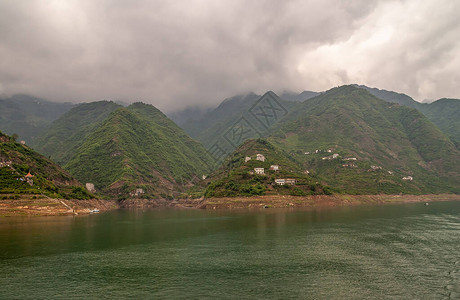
(139, 148)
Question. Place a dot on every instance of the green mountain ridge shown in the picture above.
(390, 96)
(238, 177)
(27, 116)
(61, 139)
(47, 178)
(123, 149)
(229, 110)
(305, 95)
(388, 140)
(444, 113)
(138, 147)
(248, 116)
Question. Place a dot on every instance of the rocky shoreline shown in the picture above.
(28, 206)
(60, 207)
(317, 201)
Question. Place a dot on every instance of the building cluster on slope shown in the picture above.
(137, 192)
(349, 162)
(333, 156)
(8, 163)
(261, 171)
(283, 181)
(318, 151)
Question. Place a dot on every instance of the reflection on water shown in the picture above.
(396, 251)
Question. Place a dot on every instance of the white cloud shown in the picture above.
(403, 46)
(174, 54)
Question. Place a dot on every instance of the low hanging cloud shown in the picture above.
(175, 54)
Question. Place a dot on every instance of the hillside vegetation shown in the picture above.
(139, 148)
(444, 113)
(388, 141)
(45, 177)
(28, 116)
(237, 177)
(215, 124)
(62, 138)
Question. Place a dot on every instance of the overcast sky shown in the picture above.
(178, 53)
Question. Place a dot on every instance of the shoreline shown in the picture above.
(28, 207)
(319, 201)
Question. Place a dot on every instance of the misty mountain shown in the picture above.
(199, 122)
(180, 117)
(61, 139)
(305, 95)
(249, 116)
(230, 108)
(27, 116)
(390, 96)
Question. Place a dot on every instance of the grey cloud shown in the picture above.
(179, 53)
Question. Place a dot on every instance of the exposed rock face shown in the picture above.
(90, 187)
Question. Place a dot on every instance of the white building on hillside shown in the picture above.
(280, 181)
(259, 171)
(274, 167)
(349, 158)
(290, 181)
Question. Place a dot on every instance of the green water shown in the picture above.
(408, 251)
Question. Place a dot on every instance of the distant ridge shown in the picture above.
(27, 116)
(445, 113)
(305, 95)
(390, 96)
(214, 124)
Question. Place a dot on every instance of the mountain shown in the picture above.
(138, 151)
(390, 96)
(230, 108)
(216, 121)
(196, 119)
(305, 95)
(61, 139)
(238, 176)
(193, 113)
(27, 116)
(444, 113)
(361, 144)
(237, 119)
(24, 171)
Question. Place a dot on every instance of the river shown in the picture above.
(401, 251)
